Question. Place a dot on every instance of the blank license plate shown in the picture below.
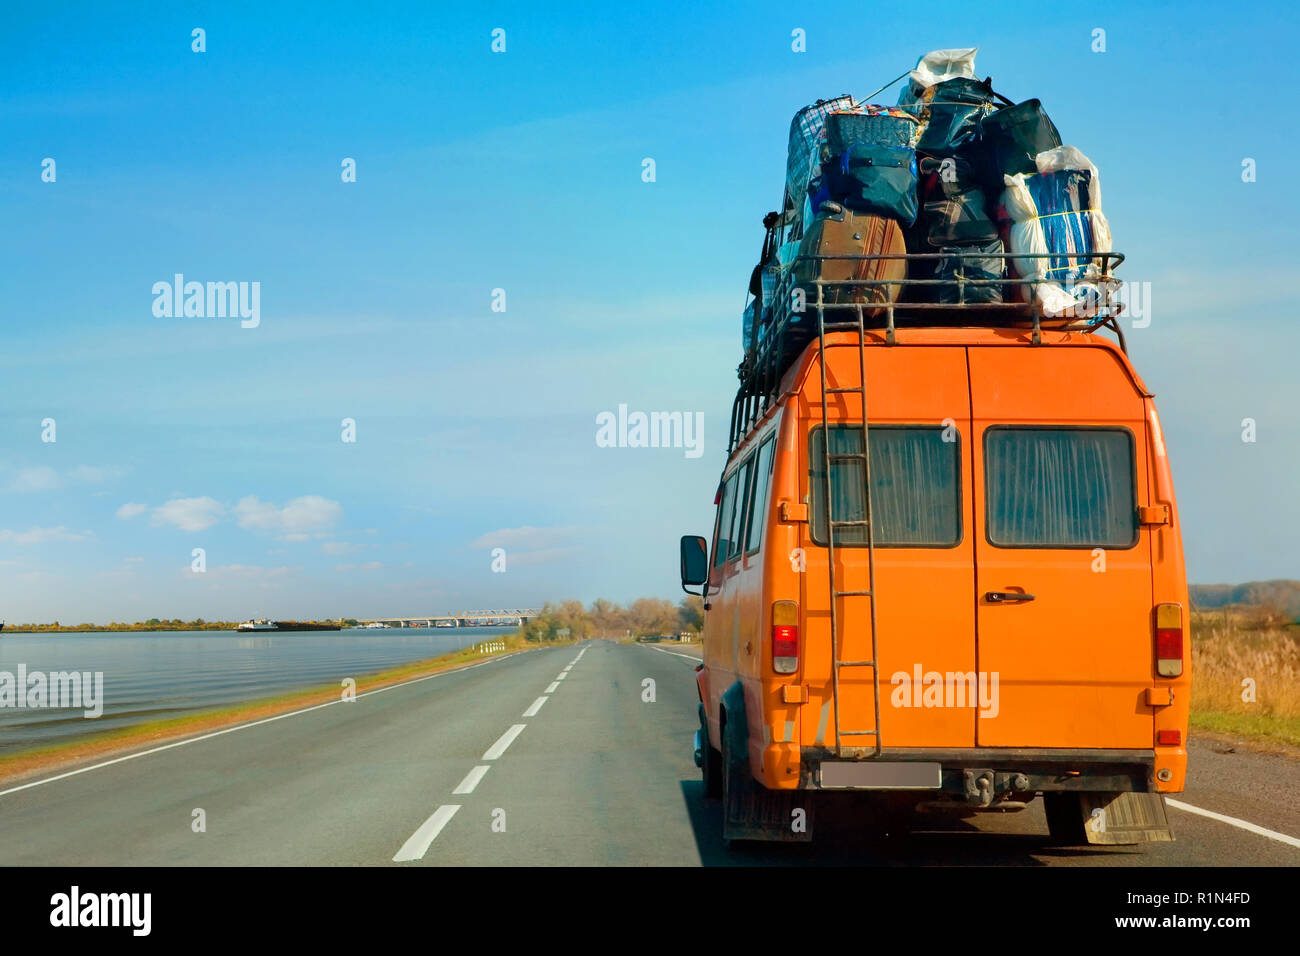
(873, 775)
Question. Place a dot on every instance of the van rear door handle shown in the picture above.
(997, 597)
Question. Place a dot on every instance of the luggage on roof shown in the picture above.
(806, 132)
(1014, 135)
(1056, 229)
(951, 114)
(945, 209)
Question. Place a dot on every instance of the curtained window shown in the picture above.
(758, 501)
(725, 510)
(1060, 487)
(915, 486)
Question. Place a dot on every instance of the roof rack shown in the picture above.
(800, 307)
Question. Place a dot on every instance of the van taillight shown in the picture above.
(1169, 640)
(785, 637)
(1169, 738)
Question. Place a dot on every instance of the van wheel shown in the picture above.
(733, 789)
(711, 764)
(1064, 818)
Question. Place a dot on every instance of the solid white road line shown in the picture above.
(551, 689)
(537, 705)
(498, 748)
(418, 844)
(472, 778)
(689, 657)
(1233, 821)
(251, 723)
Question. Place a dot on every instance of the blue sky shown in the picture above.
(522, 171)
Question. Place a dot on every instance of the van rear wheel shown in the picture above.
(1064, 818)
(710, 763)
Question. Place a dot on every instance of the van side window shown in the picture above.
(721, 543)
(915, 486)
(1060, 487)
(758, 499)
(742, 503)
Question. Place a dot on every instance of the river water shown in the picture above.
(153, 675)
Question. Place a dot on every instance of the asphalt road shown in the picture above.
(434, 773)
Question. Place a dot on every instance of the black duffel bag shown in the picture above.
(1014, 135)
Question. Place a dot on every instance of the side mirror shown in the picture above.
(695, 561)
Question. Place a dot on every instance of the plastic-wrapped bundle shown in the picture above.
(934, 68)
(1057, 224)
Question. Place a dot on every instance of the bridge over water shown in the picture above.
(501, 617)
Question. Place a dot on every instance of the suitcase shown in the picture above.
(870, 178)
(954, 209)
(843, 232)
(882, 125)
(1014, 135)
(980, 262)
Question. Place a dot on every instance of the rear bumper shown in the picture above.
(980, 775)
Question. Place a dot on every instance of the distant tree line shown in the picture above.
(643, 617)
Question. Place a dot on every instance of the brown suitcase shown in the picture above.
(841, 232)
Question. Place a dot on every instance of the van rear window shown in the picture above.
(1060, 487)
(915, 486)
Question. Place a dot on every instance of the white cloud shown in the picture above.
(42, 478)
(526, 538)
(45, 478)
(189, 514)
(94, 474)
(39, 535)
(307, 513)
(131, 510)
(336, 548)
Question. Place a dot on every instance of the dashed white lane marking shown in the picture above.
(422, 839)
(569, 668)
(1233, 821)
(472, 778)
(498, 748)
(561, 675)
(251, 723)
(418, 844)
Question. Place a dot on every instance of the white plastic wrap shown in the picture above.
(936, 67)
(1083, 297)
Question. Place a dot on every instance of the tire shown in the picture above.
(711, 769)
(1064, 819)
(730, 783)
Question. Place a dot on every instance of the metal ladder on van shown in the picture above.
(832, 524)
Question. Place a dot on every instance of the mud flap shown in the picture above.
(753, 812)
(1115, 819)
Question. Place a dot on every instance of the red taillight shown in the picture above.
(1169, 738)
(785, 637)
(1169, 640)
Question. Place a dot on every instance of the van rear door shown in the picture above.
(917, 400)
(1063, 567)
